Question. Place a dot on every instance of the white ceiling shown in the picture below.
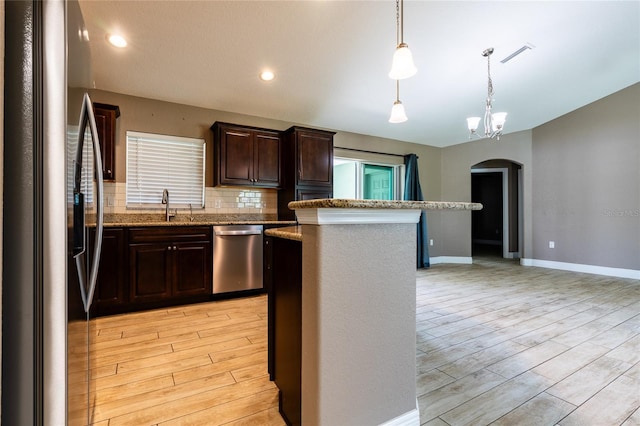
(331, 59)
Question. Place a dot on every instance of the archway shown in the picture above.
(496, 230)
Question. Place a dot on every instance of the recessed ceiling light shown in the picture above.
(267, 75)
(116, 40)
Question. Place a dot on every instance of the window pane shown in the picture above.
(345, 178)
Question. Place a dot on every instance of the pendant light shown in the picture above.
(397, 111)
(493, 122)
(402, 66)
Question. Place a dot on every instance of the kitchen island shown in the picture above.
(354, 341)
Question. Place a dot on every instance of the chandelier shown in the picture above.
(493, 123)
(402, 66)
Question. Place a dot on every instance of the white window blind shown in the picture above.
(87, 164)
(158, 162)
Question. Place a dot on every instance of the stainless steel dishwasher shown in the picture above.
(237, 258)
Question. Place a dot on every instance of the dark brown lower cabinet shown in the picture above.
(111, 294)
(169, 264)
(284, 268)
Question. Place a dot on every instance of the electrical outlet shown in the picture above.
(218, 204)
(431, 242)
(552, 244)
(110, 201)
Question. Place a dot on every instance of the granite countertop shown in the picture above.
(288, 233)
(338, 203)
(182, 219)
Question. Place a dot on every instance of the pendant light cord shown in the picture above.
(398, 18)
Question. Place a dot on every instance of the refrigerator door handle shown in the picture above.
(88, 118)
(97, 155)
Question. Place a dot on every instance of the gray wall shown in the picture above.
(586, 184)
(457, 161)
(581, 185)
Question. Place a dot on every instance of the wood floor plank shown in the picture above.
(497, 401)
(589, 380)
(175, 407)
(268, 417)
(528, 359)
(176, 357)
(569, 362)
(148, 401)
(611, 406)
(437, 402)
(543, 409)
(219, 367)
(227, 412)
(482, 359)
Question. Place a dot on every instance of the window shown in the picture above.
(158, 162)
(366, 180)
(87, 164)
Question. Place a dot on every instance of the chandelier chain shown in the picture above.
(489, 82)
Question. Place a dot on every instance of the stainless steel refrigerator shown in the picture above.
(52, 205)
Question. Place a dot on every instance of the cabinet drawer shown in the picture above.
(177, 234)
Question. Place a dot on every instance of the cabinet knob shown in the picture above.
(175, 248)
(169, 248)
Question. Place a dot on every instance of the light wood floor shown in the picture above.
(202, 364)
(497, 344)
(503, 344)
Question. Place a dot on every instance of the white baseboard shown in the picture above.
(410, 418)
(588, 269)
(450, 259)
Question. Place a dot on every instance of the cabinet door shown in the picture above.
(192, 272)
(111, 284)
(236, 153)
(266, 159)
(314, 158)
(150, 272)
(106, 116)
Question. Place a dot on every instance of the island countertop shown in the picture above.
(288, 233)
(339, 203)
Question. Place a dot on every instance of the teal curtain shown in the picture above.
(413, 192)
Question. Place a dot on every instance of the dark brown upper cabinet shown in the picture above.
(307, 167)
(106, 116)
(313, 156)
(246, 156)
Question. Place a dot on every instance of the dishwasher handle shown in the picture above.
(240, 232)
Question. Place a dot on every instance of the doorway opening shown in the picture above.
(496, 230)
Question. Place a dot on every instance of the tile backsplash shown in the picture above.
(217, 200)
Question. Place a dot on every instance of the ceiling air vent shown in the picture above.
(527, 46)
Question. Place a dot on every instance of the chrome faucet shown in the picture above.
(165, 200)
